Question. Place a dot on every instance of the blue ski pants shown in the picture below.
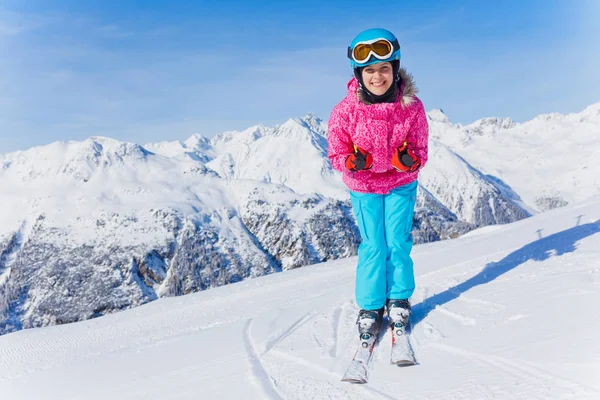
(385, 269)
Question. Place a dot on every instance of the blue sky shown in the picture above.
(146, 71)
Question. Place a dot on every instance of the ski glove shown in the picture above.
(360, 160)
(405, 160)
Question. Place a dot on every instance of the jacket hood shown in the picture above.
(407, 92)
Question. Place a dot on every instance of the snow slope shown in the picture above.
(504, 312)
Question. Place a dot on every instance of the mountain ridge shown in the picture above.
(169, 218)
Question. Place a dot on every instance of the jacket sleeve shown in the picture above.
(339, 143)
(418, 136)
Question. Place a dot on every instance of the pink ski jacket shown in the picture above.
(379, 129)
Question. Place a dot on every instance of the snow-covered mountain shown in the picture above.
(89, 228)
(467, 192)
(98, 226)
(295, 155)
(549, 161)
(504, 312)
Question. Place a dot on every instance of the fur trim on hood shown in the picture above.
(407, 87)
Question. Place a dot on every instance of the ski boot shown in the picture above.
(369, 322)
(399, 318)
(399, 315)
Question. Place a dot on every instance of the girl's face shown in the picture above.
(378, 77)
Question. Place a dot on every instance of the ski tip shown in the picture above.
(356, 376)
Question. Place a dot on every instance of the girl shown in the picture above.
(378, 139)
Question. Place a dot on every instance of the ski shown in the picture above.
(402, 352)
(358, 371)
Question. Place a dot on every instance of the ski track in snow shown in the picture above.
(488, 305)
(431, 332)
(535, 378)
(261, 376)
(335, 323)
(467, 321)
(301, 321)
(351, 390)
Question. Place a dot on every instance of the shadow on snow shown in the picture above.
(540, 250)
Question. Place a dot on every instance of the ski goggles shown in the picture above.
(381, 49)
